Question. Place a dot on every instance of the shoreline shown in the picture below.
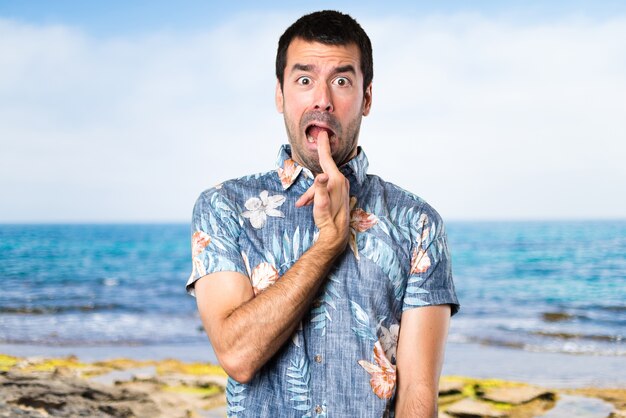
(556, 370)
(68, 386)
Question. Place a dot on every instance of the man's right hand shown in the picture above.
(330, 195)
(247, 330)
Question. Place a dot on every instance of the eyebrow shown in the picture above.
(301, 67)
(346, 69)
(307, 68)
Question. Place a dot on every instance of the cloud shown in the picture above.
(507, 120)
(484, 118)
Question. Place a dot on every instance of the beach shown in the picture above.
(101, 310)
(149, 382)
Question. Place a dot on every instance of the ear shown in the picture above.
(279, 97)
(367, 100)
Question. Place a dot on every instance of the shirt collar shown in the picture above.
(288, 170)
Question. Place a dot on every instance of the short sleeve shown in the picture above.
(215, 229)
(430, 279)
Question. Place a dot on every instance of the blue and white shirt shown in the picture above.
(340, 362)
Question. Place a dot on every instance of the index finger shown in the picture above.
(323, 151)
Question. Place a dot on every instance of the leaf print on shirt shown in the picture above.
(287, 249)
(259, 208)
(360, 221)
(235, 394)
(288, 173)
(362, 319)
(399, 222)
(295, 337)
(380, 253)
(322, 313)
(299, 379)
(382, 374)
(420, 262)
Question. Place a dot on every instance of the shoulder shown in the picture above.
(401, 200)
(236, 190)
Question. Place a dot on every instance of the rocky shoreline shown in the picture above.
(66, 387)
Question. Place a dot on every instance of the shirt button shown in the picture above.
(318, 409)
(318, 358)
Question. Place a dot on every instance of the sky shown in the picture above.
(126, 111)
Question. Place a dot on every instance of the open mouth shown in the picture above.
(313, 131)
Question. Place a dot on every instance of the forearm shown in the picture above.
(419, 360)
(253, 332)
(417, 401)
(252, 329)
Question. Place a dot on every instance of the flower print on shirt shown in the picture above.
(199, 241)
(288, 173)
(360, 221)
(263, 276)
(382, 374)
(389, 341)
(259, 208)
(420, 262)
(353, 317)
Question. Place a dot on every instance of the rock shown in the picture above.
(517, 395)
(62, 371)
(197, 381)
(29, 361)
(143, 376)
(450, 387)
(9, 411)
(38, 395)
(557, 316)
(469, 408)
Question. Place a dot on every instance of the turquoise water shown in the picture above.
(539, 286)
(544, 286)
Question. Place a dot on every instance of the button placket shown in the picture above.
(318, 366)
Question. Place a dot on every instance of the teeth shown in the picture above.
(310, 139)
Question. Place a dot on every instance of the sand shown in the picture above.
(123, 387)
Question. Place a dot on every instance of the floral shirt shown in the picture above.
(340, 362)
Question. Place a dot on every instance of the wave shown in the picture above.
(565, 346)
(612, 308)
(52, 341)
(51, 310)
(561, 316)
(578, 336)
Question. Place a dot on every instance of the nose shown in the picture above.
(323, 98)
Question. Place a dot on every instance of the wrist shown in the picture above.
(332, 241)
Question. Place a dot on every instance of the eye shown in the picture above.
(304, 80)
(342, 81)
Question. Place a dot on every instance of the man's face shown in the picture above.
(322, 91)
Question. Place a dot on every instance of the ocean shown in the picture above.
(556, 287)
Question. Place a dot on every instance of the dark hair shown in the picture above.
(331, 28)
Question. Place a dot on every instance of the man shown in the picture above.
(324, 291)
